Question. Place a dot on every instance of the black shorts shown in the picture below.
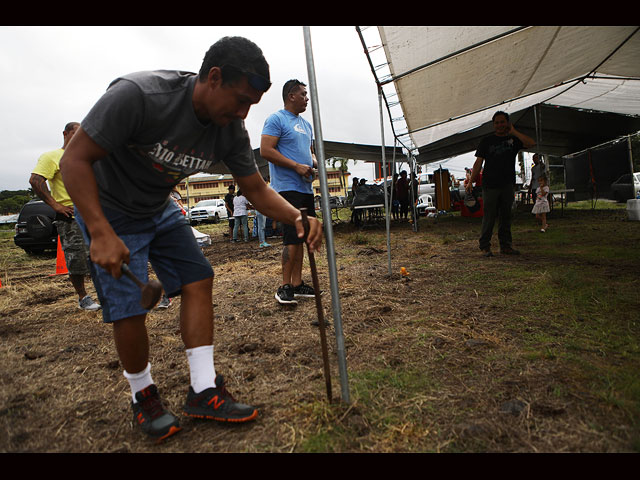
(298, 200)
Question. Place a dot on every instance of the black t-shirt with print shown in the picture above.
(499, 155)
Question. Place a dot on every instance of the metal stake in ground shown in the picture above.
(151, 291)
(316, 288)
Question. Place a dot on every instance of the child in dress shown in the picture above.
(541, 207)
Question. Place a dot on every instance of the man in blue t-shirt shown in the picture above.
(287, 145)
(498, 153)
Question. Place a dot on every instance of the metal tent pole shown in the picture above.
(389, 206)
(384, 163)
(326, 214)
(412, 164)
(537, 114)
(633, 182)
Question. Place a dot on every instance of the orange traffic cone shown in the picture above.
(61, 264)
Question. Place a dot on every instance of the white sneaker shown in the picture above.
(87, 303)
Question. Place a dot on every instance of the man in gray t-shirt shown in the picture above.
(147, 132)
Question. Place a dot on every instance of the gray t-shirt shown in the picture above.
(147, 123)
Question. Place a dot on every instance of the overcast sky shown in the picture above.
(54, 75)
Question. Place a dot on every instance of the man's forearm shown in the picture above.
(527, 141)
(39, 185)
(476, 169)
(274, 156)
(80, 181)
(106, 248)
(82, 188)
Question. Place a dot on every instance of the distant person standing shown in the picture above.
(71, 239)
(498, 153)
(261, 223)
(228, 203)
(240, 216)
(287, 144)
(537, 171)
(402, 194)
(354, 213)
(395, 203)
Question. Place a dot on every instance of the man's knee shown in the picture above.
(199, 286)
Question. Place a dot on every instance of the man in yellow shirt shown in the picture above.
(73, 245)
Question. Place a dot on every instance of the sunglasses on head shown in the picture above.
(256, 81)
(294, 85)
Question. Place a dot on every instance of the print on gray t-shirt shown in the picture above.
(147, 124)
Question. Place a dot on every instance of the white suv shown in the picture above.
(425, 184)
(208, 211)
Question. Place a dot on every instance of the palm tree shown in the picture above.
(343, 169)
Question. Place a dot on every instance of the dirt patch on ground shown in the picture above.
(63, 388)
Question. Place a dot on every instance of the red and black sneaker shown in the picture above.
(217, 404)
(149, 413)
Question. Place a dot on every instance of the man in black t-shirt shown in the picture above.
(498, 153)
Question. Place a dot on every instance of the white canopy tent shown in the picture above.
(452, 79)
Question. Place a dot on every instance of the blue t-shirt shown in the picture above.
(294, 135)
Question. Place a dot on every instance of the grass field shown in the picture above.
(532, 353)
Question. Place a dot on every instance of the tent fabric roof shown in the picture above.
(562, 131)
(452, 79)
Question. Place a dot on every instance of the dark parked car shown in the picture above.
(622, 188)
(35, 231)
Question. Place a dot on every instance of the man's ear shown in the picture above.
(215, 77)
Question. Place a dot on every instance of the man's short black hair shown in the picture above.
(69, 126)
(239, 52)
(232, 187)
(290, 86)
(499, 112)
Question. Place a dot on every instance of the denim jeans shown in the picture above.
(165, 240)
(261, 221)
(244, 220)
(497, 204)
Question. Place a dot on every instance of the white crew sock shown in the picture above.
(138, 381)
(203, 372)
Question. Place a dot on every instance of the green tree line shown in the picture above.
(11, 201)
